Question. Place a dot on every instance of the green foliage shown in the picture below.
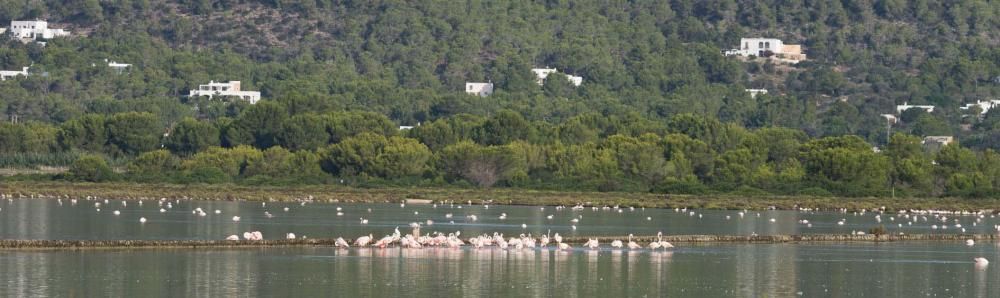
(133, 132)
(91, 168)
(377, 156)
(660, 108)
(191, 136)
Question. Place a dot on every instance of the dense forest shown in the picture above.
(660, 108)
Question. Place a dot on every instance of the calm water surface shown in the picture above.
(48, 219)
(759, 270)
(912, 269)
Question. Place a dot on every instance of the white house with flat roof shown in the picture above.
(755, 92)
(34, 30)
(479, 89)
(768, 47)
(10, 74)
(231, 88)
(984, 106)
(542, 73)
(906, 106)
(118, 66)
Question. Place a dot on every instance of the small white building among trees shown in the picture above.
(479, 89)
(31, 30)
(231, 88)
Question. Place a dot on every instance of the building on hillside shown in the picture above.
(575, 80)
(31, 30)
(906, 106)
(542, 73)
(890, 118)
(231, 88)
(479, 89)
(935, 143)
(984, 106)
(405, 127)
(10, 74)
(118, 66)
(755, 92)
(768, 48)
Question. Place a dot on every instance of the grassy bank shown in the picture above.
(477, 196)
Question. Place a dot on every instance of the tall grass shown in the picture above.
(52, 159)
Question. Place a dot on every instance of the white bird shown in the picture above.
(616, 244)
(340, 242)
(286, 209)
(233, 238)
(557, 238)
(592, 244)
(524, 226)
(116, 212)
(163, 210)
(970, 242)
(632, 244)
(142, 220)
(217, 211)
(981, 261)
(236, 218)
(290, 236)
(363, 240)
(564, 246)
(549, 217)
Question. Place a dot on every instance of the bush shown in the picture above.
(91, 168)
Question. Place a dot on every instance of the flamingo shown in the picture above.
(592, 244)
(632, 244)
(557, 238)
(363, 240)
(616, 243)
(233, 238)
(663, 244)
(564, 246)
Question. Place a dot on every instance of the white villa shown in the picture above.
(542, 73)
(984, 106)
(479, 89)
(754, 92)
(10, 74)
(906, 106)
(34, 30)
(763, 47)
(232, 88)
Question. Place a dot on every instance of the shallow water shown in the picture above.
(762, 270)
(48, 219)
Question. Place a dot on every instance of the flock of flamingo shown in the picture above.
(902, 218)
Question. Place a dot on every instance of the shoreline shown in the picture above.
(12, 244)
(496, 196)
